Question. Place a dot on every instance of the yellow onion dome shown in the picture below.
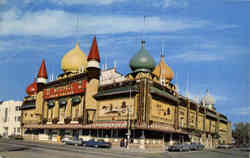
(162, 70)
(74, 61)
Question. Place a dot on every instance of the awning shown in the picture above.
(76, 99)
(162, 93)
(211, 114)
(223, 119)
(62, 102)
(28, 105)
(116, 91)
(31, 106)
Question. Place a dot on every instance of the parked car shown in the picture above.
(224, 146)
(73, 141)
(179, 147)
(97, 144)
(193, 146)
(200, 146)
(173, 148)
(184, 147)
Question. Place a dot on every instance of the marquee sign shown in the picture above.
(69, 89)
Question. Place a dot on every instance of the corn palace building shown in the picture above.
(143, 106)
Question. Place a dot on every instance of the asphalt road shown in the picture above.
(20, 149)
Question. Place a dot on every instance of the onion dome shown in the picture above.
(163, 71)
(74, 60)
(208, 99)
(42, 74)
(32, 89)
(142, 61)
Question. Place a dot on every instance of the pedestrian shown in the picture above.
(126, 143)
(122, 143)
(131, 141)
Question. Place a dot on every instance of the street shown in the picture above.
(22, 149)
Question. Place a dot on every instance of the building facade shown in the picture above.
(143, 106)
(10, 118)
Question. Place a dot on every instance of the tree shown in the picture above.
(241, 133)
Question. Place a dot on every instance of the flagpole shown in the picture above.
(129, 130)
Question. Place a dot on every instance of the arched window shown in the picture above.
(168, 111)
(124, 104)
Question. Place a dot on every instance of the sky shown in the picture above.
(206, 43)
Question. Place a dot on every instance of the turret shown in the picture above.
(93, 66)
(42, 75)
(93, 72)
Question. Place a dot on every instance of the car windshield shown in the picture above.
(100, 140)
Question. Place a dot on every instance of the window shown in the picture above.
(6, 115)
(18, 130)
(168, 111)
(19, 118)
(124, 104)
(17, 108)
(14, 130)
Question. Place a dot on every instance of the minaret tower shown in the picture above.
(41, 81)
(93, 73)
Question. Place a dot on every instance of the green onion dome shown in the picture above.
(142, 61)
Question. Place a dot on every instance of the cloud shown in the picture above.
(76, 2)
(175, 3)
(196, 56)
(171, 3)
(86, 2)
(58, 23)
(209, 51)
(240, 111)
(3, 2)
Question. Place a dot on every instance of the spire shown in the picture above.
(143, 43)
(42, 72)
(162, 54)
(77, 45)
(42, 75)
(94, 52)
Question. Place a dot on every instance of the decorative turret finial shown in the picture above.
(42, 75)
(143, 43)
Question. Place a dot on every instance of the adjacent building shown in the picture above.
(144, 106)
(10, 118)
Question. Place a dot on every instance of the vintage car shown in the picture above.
(97, 144)
(179, 147)
(72, 141)
(196, 146)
